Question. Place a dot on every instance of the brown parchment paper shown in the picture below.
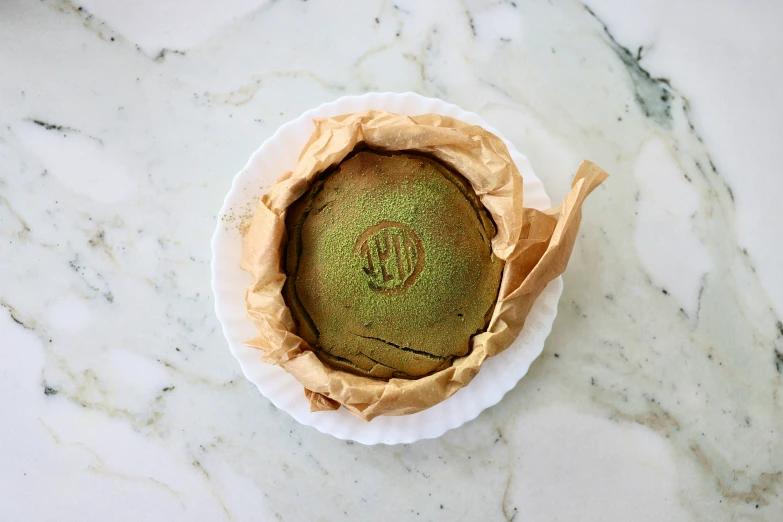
(535, 246)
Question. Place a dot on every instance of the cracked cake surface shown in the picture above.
(389, 265)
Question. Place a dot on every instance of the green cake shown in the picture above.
(390, 267)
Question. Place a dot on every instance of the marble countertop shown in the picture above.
(658, 396)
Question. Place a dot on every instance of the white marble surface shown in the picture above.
(658, 396)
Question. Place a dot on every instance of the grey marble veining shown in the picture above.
(657, 396)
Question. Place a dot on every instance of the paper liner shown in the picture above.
(536, 246)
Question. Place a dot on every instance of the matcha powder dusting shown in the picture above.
(390, 266)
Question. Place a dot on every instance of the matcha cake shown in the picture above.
(389, 265)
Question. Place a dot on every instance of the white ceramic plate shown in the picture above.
(278, 155)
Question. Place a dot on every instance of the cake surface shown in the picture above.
(390, 266)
